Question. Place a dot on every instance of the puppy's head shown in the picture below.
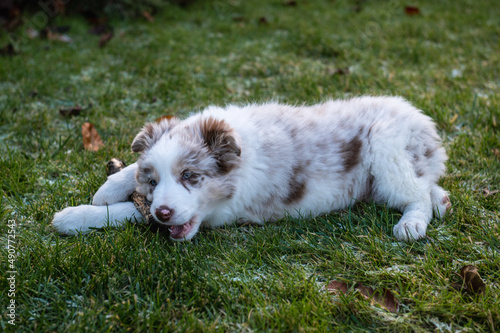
(186, 170)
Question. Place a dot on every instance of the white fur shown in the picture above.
(118, 187)
(83, 218)
(301, 161)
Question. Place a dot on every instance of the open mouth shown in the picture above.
(182, 231)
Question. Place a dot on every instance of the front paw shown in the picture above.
(110, 193)
(71, 220)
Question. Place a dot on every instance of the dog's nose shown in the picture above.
(163, 213)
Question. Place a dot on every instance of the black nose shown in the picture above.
(163, 213)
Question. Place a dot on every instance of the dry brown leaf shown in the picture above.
(148, 16)
(412, 10)
(386, 299)
(471, 281)
(334, 286)
(263, 20)
(105, 38)
(91, 139)
(341, 71)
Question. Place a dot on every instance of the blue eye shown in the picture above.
(186, 175)
(152, 182)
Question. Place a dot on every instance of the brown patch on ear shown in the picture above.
(152, 132)
(351, 153)
(220, 140)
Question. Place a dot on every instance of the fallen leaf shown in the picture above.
(263, 20)
(341, 71)
(386, 300)
(73, 111)
(337, 286)
(471, 281)
(148, 16)
(105, 38)
(412, 10)
(91, 139)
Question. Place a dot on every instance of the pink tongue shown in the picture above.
(180, 231)
(176, 231)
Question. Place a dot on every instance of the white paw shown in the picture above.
(117, 188)
(409, 229)
(72, 220)
(84, 218)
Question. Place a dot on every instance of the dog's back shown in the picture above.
(314, 159)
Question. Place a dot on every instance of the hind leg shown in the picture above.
(397, 184)
(417, 215)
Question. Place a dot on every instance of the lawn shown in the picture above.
(444, 59)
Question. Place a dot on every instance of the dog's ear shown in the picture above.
(221, 140)
(152, 132)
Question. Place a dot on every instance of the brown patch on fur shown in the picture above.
(296, 188)
(429, 151)
(351, 153)
(220, 140)
(143, 175)
(416, 161)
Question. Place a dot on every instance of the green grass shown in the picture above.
(249, 278)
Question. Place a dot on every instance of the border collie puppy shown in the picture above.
(257, 163)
